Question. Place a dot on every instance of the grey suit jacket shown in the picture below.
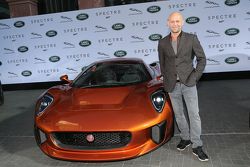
(188, 47)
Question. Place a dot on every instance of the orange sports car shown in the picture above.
(115, 109)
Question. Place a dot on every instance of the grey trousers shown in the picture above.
(183, 95)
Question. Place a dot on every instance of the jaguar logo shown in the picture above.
(155, 37)
(90, 138)
(118, 26)
(51, 33)
(26, 73)
(19, 24)
(54, 59)
(23, 49)
(232, 2)
(85, 43)
(153, 9)
(232, 60)
(82, 16)
(120, 53)
(192, 20)
(232, 31)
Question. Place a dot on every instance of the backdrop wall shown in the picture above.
(44, 47)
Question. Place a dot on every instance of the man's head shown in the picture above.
(175, 22)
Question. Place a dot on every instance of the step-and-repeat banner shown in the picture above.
(44, 47)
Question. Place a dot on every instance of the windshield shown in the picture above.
(112, 74)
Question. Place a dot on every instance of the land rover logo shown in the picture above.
(118, 26)
(51, 33)
(19, 24)
(120, 53)
(155, 37)
(232, 60)
(1, 63)
(85, 43)
(232, 2)
(54, 59)
(82, 16)
(232, 31)
(23, 49)
(192, 20)
(153, 9)
(26, 73)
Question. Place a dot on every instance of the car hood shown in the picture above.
(88, 109)
(102, 98)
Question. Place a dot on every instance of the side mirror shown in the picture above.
(159, 77)
(65, 78)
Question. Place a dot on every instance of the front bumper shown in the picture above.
(142, 142)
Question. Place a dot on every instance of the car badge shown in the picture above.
(90, 138)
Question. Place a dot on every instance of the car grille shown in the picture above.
(102, 140)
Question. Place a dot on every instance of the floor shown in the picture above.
(224, 110)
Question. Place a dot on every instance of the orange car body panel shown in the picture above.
(126, 108)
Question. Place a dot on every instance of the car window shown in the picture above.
(112, 74)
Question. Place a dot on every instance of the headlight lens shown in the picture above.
(158, 99)
(45, 101)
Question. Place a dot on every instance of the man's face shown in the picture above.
(175, 22)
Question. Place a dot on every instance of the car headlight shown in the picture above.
(45, 101)
(158, 99)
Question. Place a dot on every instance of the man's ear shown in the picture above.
(182, 23)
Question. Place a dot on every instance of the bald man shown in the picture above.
(176, 54)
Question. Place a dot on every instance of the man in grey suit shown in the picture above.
(176, 54)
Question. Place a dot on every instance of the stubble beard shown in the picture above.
(176, 31)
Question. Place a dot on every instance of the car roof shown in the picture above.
(122, 60)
